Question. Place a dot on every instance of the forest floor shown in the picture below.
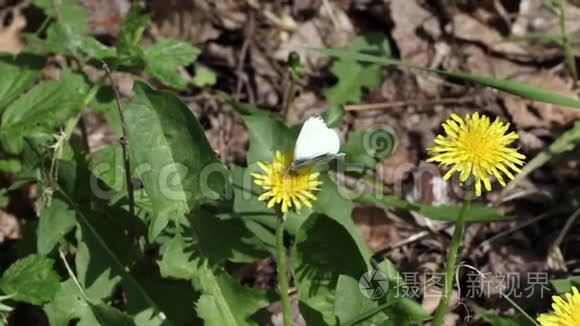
(247, 43)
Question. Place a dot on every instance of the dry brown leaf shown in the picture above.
(412, 47)
(10, 40)
(468, 28)
(9, 228)
(187, 20)
(375, 228)
(331, 28)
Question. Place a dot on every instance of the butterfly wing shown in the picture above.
(315, 140)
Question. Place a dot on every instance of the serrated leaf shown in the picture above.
(45, 106)
(225, 302)
(183, 169)
(31, 279)
(235, 243)
(99, 268)
(353, 76)
(181, 253)
(55, 222)
(18, 73)
(68, 304)
(165, 56)
(177, 259)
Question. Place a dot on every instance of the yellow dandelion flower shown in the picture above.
(566, 311)
(477, 147)
(284, 187)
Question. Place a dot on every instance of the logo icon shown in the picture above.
(373, 284)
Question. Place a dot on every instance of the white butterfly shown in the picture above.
(316, 144)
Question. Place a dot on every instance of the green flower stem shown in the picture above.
(451, 263)
(282, 270)
(289, 97)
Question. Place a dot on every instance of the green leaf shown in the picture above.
(323, 251)
(70, 13)
(31, 279)
(177, 259)
(225, 301)
(235, 244)
(495, 320)
(267, 135)
(110, 316)
(44, 107)
(10, 166)
(99, 267)
(204, 76)
(130, 53)
(508, 86)
(164, 57)
(55, 222)
(564, 285)
(351, 303)
(95, 49)
(181, 254)
(333, 116)
(18, 73)
(368, 148)
(332, 204)
(4, 199)
(69, 304)
(183, 171)
(353, 76)
(475, 213)
(165, 293)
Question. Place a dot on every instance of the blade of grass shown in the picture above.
(565, 143)
(569, 57)
(508, 86)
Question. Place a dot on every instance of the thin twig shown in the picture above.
(249, 32)
(124, 143)
(395, 104)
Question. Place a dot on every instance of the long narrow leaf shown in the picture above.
(508, 86)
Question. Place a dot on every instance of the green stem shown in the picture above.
(566, 45)
(451, 263)
(290, 97)
(282, 270)
(520, 309)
